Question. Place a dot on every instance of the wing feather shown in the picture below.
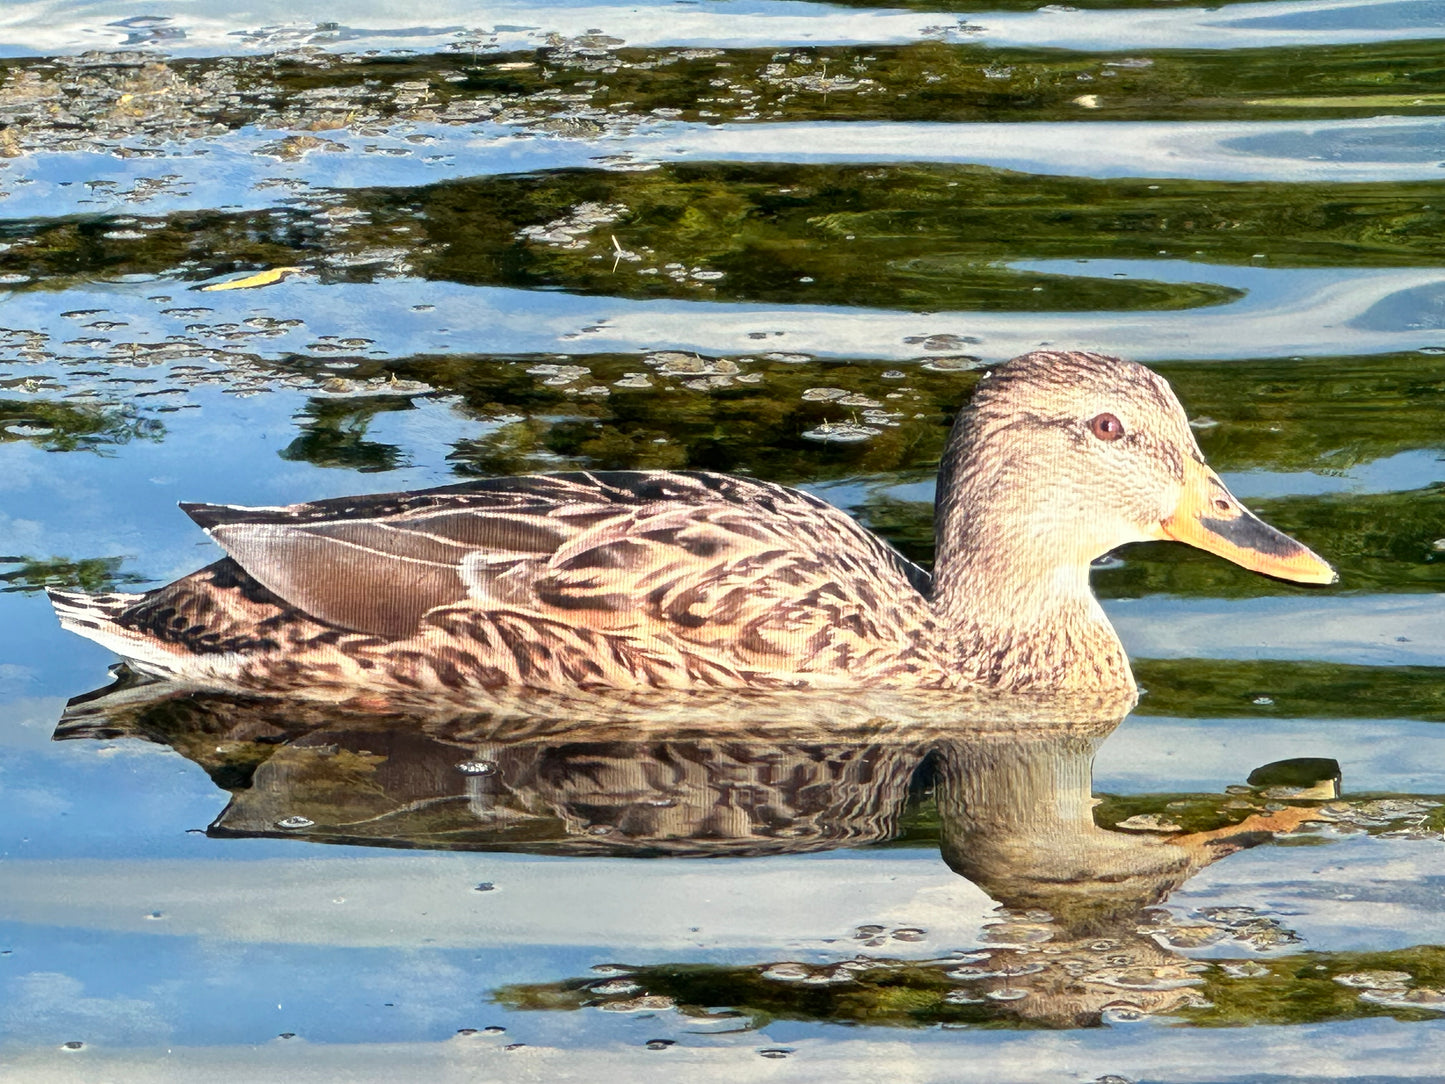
(704, 578)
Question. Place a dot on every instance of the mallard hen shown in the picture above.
(675, 580)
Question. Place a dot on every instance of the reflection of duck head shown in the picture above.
(1016, 818)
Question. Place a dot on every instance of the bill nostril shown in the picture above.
(1221, 504)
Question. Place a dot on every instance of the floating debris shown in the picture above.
(1149, 822)
(260, 278)
(1375, 980)
(646, 1003)
(616, 988)
(841, 433)
(1422, 997)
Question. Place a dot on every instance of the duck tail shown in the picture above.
(98, 618)
(84, 613)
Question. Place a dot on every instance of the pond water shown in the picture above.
(770, 238)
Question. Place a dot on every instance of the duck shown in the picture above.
(686, 580)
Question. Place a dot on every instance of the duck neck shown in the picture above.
(1011, 584)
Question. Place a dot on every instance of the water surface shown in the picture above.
(722, 236)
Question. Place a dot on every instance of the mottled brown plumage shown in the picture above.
(676, 580)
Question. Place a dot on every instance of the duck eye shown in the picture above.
(1106, 427)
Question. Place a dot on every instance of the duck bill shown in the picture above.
(1209, 517)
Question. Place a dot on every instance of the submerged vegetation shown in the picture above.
(94, 574)
(1030, 992)
(912, 237)
(595, 84)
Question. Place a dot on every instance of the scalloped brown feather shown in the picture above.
(585, 580)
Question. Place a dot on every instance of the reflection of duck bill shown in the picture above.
(1211, 518)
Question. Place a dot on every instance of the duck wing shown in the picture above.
(378, 563)
(749, 574)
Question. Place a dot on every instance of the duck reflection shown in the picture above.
(1079, 935)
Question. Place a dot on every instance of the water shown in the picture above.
(722, 236)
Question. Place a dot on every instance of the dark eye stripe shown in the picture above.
(1106, 427)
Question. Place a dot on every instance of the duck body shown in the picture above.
(678, 580)
(613, 579)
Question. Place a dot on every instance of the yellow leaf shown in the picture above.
(260, 278)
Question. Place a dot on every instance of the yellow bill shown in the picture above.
(1208, 516)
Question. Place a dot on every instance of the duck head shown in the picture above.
(1060, 458)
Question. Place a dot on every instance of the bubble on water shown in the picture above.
(646, 1003)
(964, 974)
(828, 978)
(841, 433)
(1246, 970)
(467, 1031)
(1263, 701)
(776, 1051)
(961, 997)
(909, 933)
(660, 1044)
(617, 988)
(291, 824)
(477, 767)
(1148, 822)
(787, 973)
(155, 915)
(1420, 998)
(1155, 980)
(1122, 1014)
(74, 1044)
(1375, 980)
(1007, 994)
(962, 363)
(485, 886)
